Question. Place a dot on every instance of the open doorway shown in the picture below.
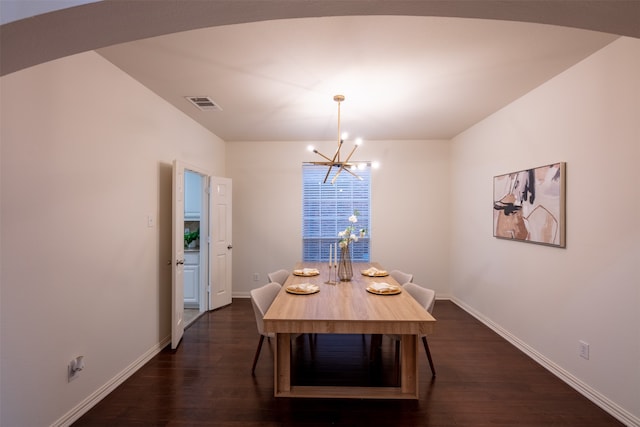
(196, 249)
(214, 255)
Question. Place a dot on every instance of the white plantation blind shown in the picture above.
(326, 209)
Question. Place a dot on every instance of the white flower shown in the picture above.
(351, 234)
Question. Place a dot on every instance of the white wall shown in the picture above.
(86, 156)
(409, 214)
(549, 298)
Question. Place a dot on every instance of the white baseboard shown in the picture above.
(88, 403)
(240, 295)
(581, 387)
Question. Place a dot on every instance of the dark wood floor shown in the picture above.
(482, 381)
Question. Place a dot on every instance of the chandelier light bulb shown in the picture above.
(344, 135)
(375, 165)
(311, 148)
(358, 141)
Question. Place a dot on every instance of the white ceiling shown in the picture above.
(404, 77)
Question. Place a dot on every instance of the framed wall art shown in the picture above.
(529, 205)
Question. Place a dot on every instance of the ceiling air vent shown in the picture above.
(204, 103)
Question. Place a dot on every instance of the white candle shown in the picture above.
(331, 260)
(330, 253)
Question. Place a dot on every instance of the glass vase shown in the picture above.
(345, 269)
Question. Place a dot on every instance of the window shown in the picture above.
(326, 209)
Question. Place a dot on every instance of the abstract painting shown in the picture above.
(529, 205)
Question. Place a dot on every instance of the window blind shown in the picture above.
(326, 209)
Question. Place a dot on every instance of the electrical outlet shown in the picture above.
(584, 349)
(256, 277)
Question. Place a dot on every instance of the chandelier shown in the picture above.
(336, 161)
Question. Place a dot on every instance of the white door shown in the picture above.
(221, 252)
(177, 255)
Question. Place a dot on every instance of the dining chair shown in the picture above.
(261, 299)
(401, 277)
(279, 276)
(426, 298)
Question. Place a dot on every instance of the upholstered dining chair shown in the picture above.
(401, 277)
(279, 276)
(426, 298)
(261, 299)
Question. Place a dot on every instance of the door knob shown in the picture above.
(179, 262)
(230, 247)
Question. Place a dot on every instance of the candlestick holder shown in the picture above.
(333, 277)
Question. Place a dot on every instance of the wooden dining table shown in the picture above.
(346, 308)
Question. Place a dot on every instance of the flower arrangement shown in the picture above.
(351, 233)
(348, 235)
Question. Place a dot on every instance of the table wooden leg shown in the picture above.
(409, 365)
(282, 364)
